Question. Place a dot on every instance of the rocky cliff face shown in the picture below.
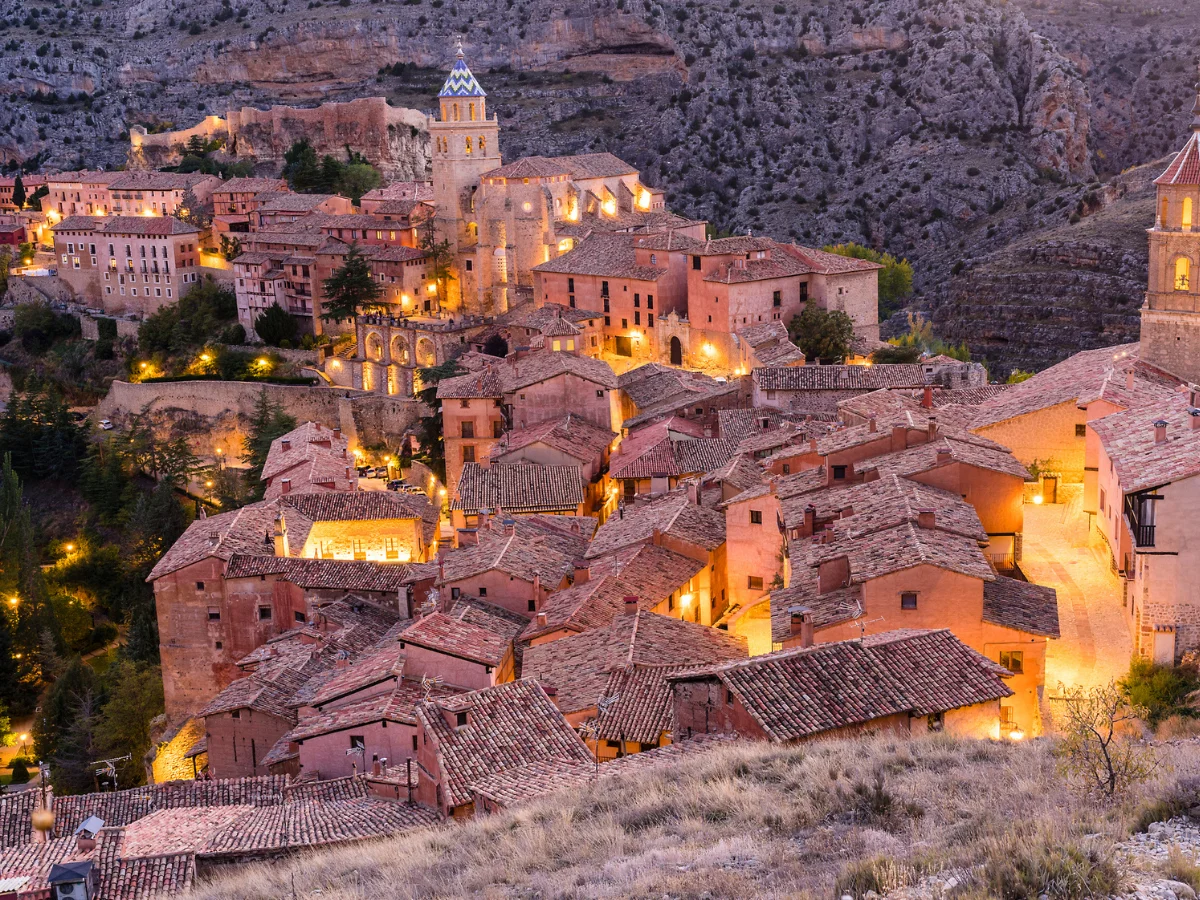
(925, 127)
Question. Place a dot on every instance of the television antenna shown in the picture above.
(108, 767)
(429, 682)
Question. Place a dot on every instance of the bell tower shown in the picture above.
(465, 145)
(1171, 314)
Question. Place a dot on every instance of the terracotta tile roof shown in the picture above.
(740, 472)
(484, 383)
(322, 573)
(786, 435)
(573, 436)
(34, 861)
(604, 255)
(455, 637)
(15, 825)
(250, 693)
(301, 441)
(954, 406)
(402, 190)
(156, 181)
(651, 451)
(794, 694)
(771, 344)
(596, 165)
(396, 705)
(672, 514)
(1185, 167)
(1080, 379)
(251, 186)
(514, 374)
(964, 447)
(828, 263)
(347, 788)
(494, 618)
(529, 167)
(838, 378)
(670, 239)
(738, 424)
(119, 808)
(582, 606)
(78, 223)
(830, 608)
(508, 726)
(846, 437)
(140, 878)
(1141, 463)
(1021, 606)
(240, 531)
(543, 545)
(643, 709)
(655, 571)
(518, 488)
(544, 317)
(382, 664)
(289, 202)
(357, 506)
(740, 271)
(578, 666)
(653, 384)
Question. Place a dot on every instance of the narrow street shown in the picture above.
(1095, 646)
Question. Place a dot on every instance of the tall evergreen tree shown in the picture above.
(18, 194)
(352, 289)
(268, 422)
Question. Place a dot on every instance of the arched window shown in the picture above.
(472, 111)
(1163, 206)
(1187, 213)
(1183, 272)
(468, 146)
(456, 116)
(482, 144)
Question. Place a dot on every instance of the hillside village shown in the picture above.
(661, 530)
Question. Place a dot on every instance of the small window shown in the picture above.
(696, 263)
(414, 743)
(460, 719)
(533, 605)
(839, 473)
(464, 404)
(218, 645)
(908, 600)
(468, 429)
(1007, 716)
(264, 613)
(756, 517)
(1013, 660)
(454, 592)
(1081, 431)
(298, 616)
(358, 742)
(214, 615)
(469, 453)
(777, 298)
(754, 582)
(599, 393)
(787, 469)
(936, 721)
(199, 585)
(483, 592)
(236, 714)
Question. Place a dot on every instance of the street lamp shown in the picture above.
(13, 601)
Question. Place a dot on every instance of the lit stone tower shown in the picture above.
(465, 145)
(1171, 314)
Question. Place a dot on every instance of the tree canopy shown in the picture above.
(275, 326)
(351, 289)
(822, 334)
(895, 278)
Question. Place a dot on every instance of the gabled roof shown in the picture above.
(605, 255)
(360, 506)
(794, 694)
(643, 709)
(507, 727)
(1130, 441)
(1185, 167)
(371, 668)
(518, 488)
(457, 637)
(578, 666)
(673, 514)
(351, 575)
(651, 451)
(573, 436)
(839, 378)
(1022, 606)
(539, 545)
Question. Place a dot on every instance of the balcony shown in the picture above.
(1139, 517)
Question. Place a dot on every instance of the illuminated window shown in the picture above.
(1183, 271)
(1187, 212)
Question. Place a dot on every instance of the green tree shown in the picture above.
(6, 258)
(895, 278)
(39, 433)
(35, 199)
(429, 428)
(197, 319)
(155, 522)
(351, 289)
(197, 146)
(1016, 376)
(231, 247)
(896, 354)
(358, 178)
(275, 326)
(821, 334)
(18, 194)
(330, 175)
(268, 422)
(63, 730)
(135, 697)
(193, 212)
(1159, 691)
(301, 167)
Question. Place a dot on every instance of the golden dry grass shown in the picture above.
(756, 820)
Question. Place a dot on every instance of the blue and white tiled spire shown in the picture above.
(461, 82)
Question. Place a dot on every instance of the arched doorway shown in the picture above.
(676, 352)
(400, 350)
(374, 346)
(426, 355)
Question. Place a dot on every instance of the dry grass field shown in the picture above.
(754, 820)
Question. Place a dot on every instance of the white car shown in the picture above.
(106, 425)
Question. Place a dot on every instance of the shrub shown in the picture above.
(1096, 751)
(1179, 867)
(881, 874)
(1160, 690)
(1020, 866)
(20, 770)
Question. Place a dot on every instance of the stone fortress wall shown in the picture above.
(393, 139)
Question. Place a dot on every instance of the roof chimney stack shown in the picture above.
(337, 434)
(582, 573)
(810, 520)
(1129, 380)
(286, 485)
(1160, 432)
(802, 625)
(285, 444)
(542, 620)
(925, 518)
(932, 427)
(871, 425)
(693, 493)
(943, 456)
(631, 606)
(927, 397)
(1194, 415)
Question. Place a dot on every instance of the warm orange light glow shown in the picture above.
(609, 207)
(432, 288)
(1037, 499)
(13, 601)
(205, 357)
(708, 349)
(70, 548)
(144, 365)
(685, 600)
(644, 199)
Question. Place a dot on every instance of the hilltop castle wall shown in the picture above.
(394, 140)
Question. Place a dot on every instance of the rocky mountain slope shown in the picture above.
(918, 126)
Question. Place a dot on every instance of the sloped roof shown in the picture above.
(672, 514)
(603, 254)
(1185, 167)
(573, 436)
(839, 378)
(1022, 606)
(1129, 439)
(518, 488)
(542, 545)
(457, 637)
(650, 451)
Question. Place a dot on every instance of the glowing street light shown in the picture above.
(1038, 499)
(13, 601)
(70, 548)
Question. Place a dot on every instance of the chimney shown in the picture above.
(286, 485)
(343, 453)
(510, 527)
(812, 444)
(485, 518)
(802, 625)
(1129, 380)
(551, 692)
(582, 573)
(343, 660)
(871, 425)
(693, 493)
(631, 606)
(925, 518)
(932, 427)
(1192, 395)
(285, 445)
(468, 537)
(280, 536)
(656, 537)
(349, 474)
(847, 512)
(1160, 431)
(833, 574)
(214, 538)
(541, 620)
(337, 434)
(376, 768)
(943, 456)
(1194, 414)
(927, 397)
(899, 438)
(810, 520)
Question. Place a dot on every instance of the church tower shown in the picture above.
(465, 145)
(1171, 313)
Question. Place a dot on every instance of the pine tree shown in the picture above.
(352, 289)
(268, 422)
(275, 325)
(18, 194)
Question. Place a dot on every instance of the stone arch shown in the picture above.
(1183, 273)
(471, 107)
(468, 145)
(374, 346)
(400, 350)
(676, 351)
(426, 352)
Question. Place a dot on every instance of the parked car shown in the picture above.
(106, 425)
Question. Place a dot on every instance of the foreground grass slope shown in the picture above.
(759, 820)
